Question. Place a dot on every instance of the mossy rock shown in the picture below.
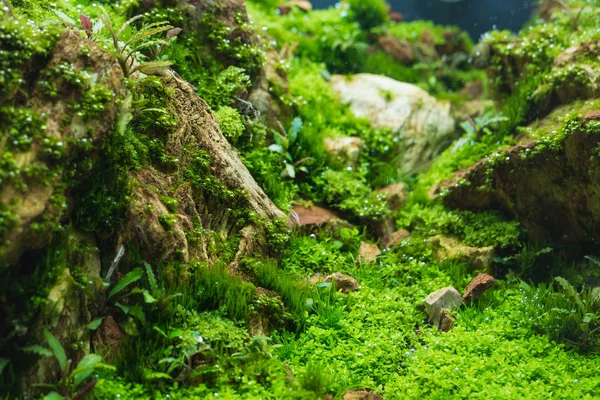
(548, 182)
(74, 100)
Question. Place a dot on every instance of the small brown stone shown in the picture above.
(361, 394)
(314, 216)
(427, 39)
(478, 285)
(396, 17)
(284, 9)
(446, 321)
(397, 194)
(592, 115)
(400, 49)
(367, 252)
(342, 282)
(396, 238)
(108, 336)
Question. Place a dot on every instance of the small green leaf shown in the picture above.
(123, 308)
(54, 396)
(295, 129)
(95, 324)
(289, 171)
(148, 297)
(64, 17)
(157, 329)
(85, 367)
(154, 67)
(3, 363)
(276, 148)
(175, 333)
(127, 280)
(138, 313)
(37, 349)
(155, 375)
(151, 277)
(57, 349)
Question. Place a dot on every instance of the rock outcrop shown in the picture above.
(423, 125)
(448, 248)
(550, 185)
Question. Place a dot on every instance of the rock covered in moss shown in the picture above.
(212, 190)
(448, 248)
(548, 184)
(73, 106)
(446, 298)
(422, 124)
(400, 49)
(345, 149)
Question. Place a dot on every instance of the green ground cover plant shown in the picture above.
(265, 325)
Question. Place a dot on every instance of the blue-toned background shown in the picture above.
(474, 16)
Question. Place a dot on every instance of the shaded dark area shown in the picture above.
(474, 16)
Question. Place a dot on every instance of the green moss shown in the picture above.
(368, 13)
(167, 221)
(25, 45)
(7, 221)
(475, 229)
(346, 191)
(268, 275)
(231, 123)
(307, 255)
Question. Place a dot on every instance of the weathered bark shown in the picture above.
(198, 129)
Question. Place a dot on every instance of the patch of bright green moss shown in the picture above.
(475, 229)
(231, 123)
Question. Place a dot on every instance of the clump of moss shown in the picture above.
(475, 229)
(231, 123)
(347, 192)
(368, 13)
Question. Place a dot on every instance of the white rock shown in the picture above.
(445, 298)
(423, 123)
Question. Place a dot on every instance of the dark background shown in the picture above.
(474, 16)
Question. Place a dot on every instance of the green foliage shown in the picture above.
(564, 313)
(231, 123)
(307, 255)
(368, 13)
(348, 192)
(128, 50)
(270, 276)
(222, 89)
(487, 228)
(72, 379)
